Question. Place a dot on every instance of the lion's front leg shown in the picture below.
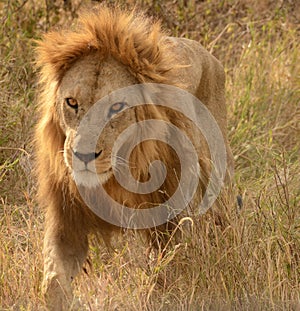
(64, 254)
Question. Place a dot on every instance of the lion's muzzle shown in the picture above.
(86, 157)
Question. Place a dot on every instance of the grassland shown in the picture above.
(251, 264)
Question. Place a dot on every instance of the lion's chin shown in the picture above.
(89, 179)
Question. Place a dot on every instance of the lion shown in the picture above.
(110, 49)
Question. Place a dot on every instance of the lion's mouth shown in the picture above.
(86, 171)
(90, 179)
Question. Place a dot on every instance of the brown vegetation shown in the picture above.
(254, 262)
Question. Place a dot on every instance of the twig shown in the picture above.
(18, 149)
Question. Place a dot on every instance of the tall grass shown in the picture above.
(253, 263)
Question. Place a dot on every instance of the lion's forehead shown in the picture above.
(90, 79)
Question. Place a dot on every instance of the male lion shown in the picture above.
(111, 49)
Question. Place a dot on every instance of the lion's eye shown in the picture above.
(72, 102)
(115, 108)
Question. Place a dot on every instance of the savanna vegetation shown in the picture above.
(251, 263)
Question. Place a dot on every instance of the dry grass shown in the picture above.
(251, 264)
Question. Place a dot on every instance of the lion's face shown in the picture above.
(87, 81)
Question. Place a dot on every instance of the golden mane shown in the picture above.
(131, 38)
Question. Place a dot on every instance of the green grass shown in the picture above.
(251, 264)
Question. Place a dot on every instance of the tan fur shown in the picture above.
(109, 49)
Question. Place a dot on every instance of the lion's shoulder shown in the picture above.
(195, 65)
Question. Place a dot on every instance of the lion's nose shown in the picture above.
(87, 157)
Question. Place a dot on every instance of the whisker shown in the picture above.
(120, 158)
(125, 164)
(122, 161)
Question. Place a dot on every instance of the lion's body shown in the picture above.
(111, 50)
